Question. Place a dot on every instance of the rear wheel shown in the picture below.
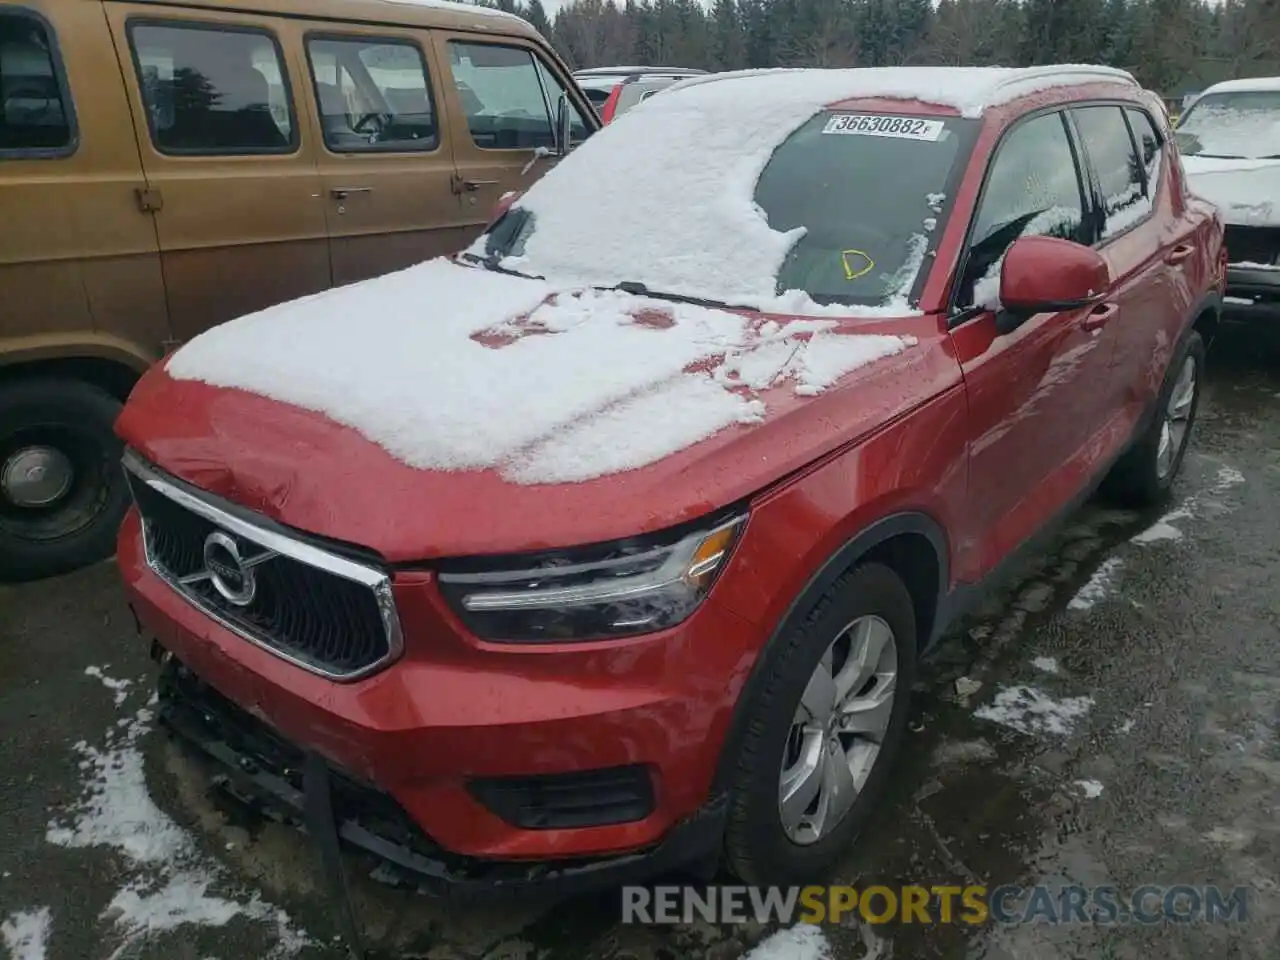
(823, 731)
(62, 490)
(1145, 474)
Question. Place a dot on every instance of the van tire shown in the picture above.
(757, 847)
(76, 421)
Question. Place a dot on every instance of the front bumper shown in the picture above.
(261, 770)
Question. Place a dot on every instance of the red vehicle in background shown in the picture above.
(615, 90)
(614, 542)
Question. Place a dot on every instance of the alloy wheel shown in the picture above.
(837, 730)
(1177, 419)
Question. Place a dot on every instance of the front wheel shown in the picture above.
(823, 731)
(1145, 474)
(62, 489)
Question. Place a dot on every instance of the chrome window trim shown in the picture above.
(376, 580)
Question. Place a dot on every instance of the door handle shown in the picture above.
(1099, 316)
(463, 185)
(341, 193)
(1180, 253)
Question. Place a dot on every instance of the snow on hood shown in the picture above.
(1246, 191)
(449, 367)
(665, 195)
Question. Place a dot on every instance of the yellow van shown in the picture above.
(165, 167)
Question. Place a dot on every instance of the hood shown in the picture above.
(1247, 192)
(401, 416)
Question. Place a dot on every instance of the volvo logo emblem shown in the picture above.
(230, 575)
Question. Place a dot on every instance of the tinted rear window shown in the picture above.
(869, 191)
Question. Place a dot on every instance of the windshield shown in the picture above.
(1244, 125)
(863, 192)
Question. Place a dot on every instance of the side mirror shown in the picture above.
(1047, 275)
(564, 124)
(502, 206)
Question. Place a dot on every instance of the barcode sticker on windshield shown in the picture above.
(904, 128)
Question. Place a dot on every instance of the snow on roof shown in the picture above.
(451, 367)
(666, 198)
(458, 7)
(1247, 85)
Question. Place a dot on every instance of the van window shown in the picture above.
(34, 116)
(373, 95)
(510, 97)
(213, 91)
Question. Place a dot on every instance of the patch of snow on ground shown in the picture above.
(1092, 789)
(1228, 477)
(804, 941)
(1098, 587)
(1029, 711)
(1162, 529)
(1047, 664)
(26, 934)
(171, 881)
(1127, 726)
(602, 381)
(119, 687)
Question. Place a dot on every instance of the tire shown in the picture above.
(758, 847)
(76, 421)
(1139, 478)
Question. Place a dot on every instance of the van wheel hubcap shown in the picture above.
(1177, 419)
(36, 476)
(837, 730)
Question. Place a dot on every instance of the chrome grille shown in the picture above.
(324, 612)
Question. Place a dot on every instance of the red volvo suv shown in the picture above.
(613, 542)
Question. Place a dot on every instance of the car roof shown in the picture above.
(1246, 85)
(411, 13)
(968, 91)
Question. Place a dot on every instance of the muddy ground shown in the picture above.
(1145, 752)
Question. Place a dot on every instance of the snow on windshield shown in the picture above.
(450, 367)
(1245, 125)
(666, 195)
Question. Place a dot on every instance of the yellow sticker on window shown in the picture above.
(856, 264)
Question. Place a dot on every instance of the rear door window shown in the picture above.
(509, 97)
(1116, 165)
(372, 94)
(1150, 147)
(35, 107)
(1033, 188)
(213, 91)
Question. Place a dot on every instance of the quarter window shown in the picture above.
(1116, 165)
(1033, 188)
(35, 114)
(510, 97)
(213, 91)
(373, 95)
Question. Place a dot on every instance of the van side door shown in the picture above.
(502, 96)
(384, 151)
(230, 168)
(79, 265)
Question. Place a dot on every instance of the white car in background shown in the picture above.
(1229, 139)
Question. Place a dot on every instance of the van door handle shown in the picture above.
(341, 193)
(463, 185)
(1099, 316)
(1180, 253)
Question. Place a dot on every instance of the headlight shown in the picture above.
(615, 590)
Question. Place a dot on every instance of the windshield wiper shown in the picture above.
(1220, 156)
(638, 289)
(492, 262)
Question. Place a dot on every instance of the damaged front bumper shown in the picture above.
(257, 767)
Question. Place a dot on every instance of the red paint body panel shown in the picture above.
(988, 435)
